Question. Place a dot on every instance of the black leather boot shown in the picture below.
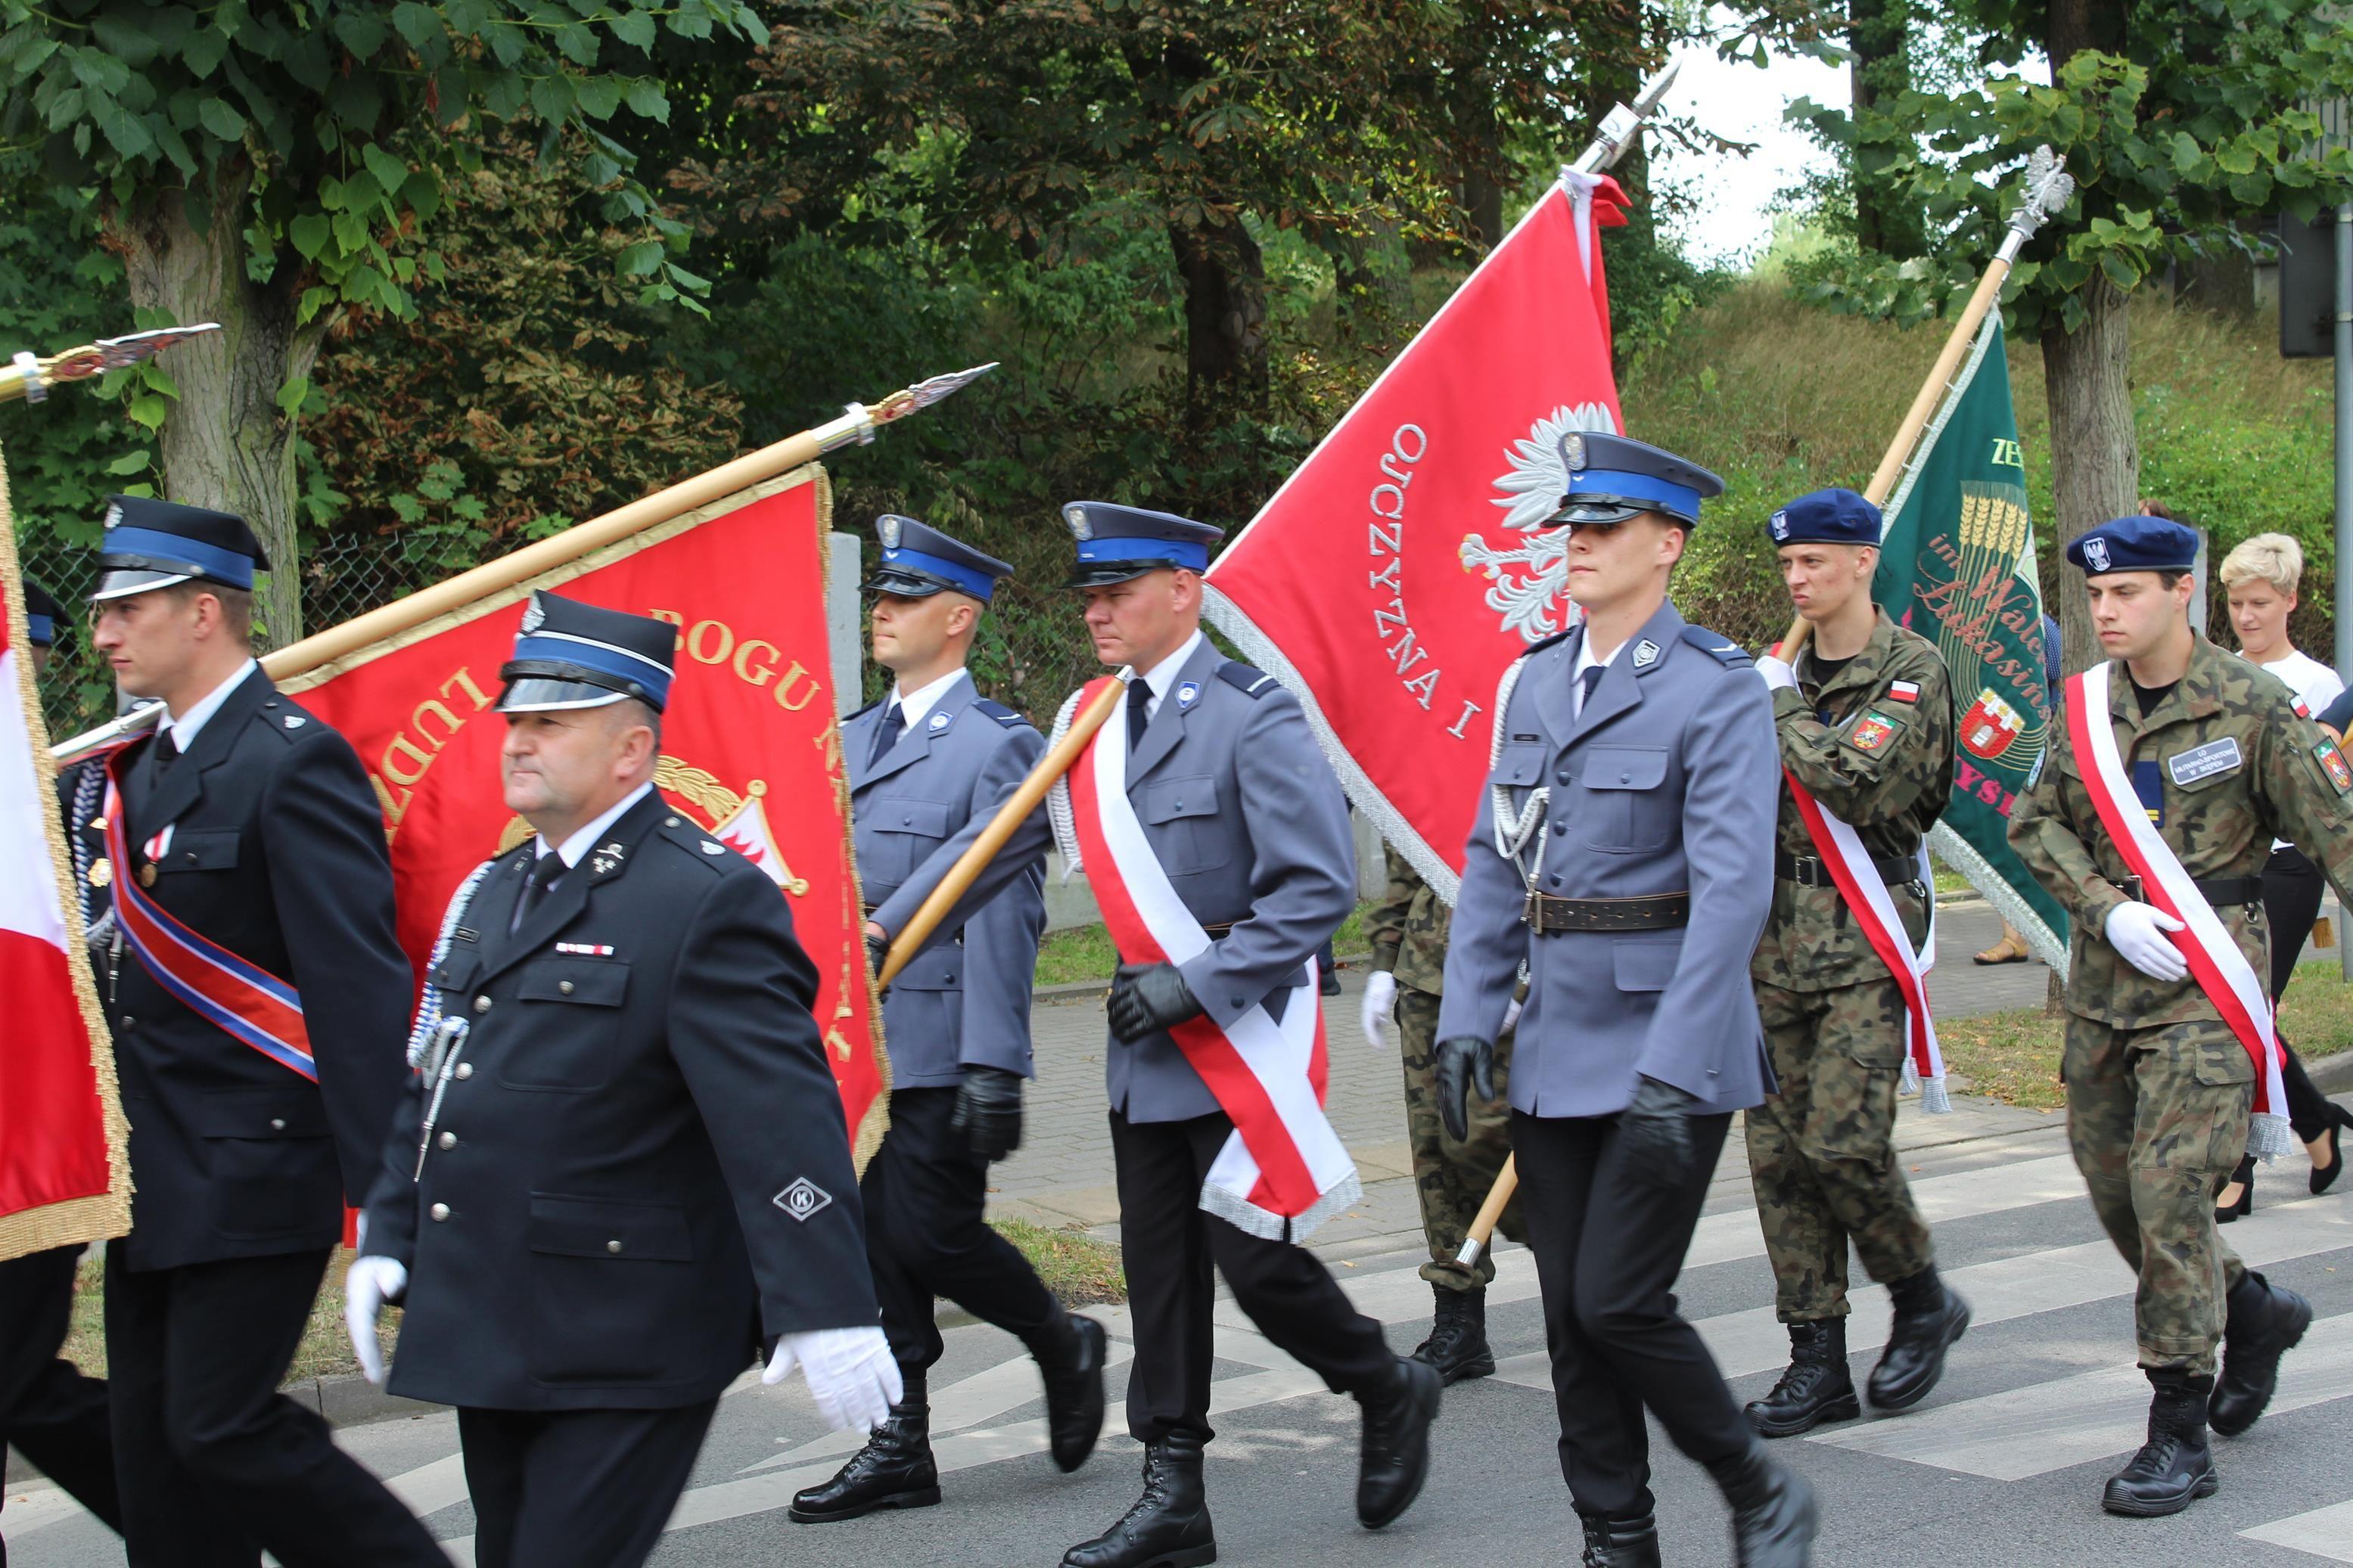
(1773, 1513)
(1396, 1458)
(893, 1470)
(2173, 1467)
(1620, 1543)
(1816, 1388)
(1928, 1319)
(1457, 1346)
(1071, 1356)
(1168, 1526)
(2264, 1321)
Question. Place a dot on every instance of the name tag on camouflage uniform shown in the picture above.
(2204, 762)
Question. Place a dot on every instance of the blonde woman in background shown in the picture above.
(2261, 577)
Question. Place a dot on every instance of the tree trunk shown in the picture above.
(2094, 455)
(1225, 319)
(1879, 31)
(226, 443)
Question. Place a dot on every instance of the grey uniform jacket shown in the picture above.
(1666, 781)
(1250, 824)
(965, 1002)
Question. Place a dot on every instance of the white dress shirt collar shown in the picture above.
(184, 726)
(913, 705)
(1585, 661)
(1162, 677)
(580, 843)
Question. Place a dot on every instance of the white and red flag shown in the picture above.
(1402, 568)
(64, 1179)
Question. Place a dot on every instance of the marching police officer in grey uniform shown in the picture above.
(923, 762)
(1623, 848)
(1246, 821)
(619, 1165)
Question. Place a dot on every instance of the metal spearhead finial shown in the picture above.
(1621, 127)
(2049, 188)
(924, 393)
(31, 376)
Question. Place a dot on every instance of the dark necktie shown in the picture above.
(1139, 714)
(1589, 679)
(543, 877)
(892, 725)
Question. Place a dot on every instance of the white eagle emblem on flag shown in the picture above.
(1528, 581)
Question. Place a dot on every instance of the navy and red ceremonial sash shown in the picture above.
(241, 999)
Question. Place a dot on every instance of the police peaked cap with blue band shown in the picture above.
(1117, 543)
(1827, 517)
(1612, 478)
(42, 616)
(919, 560)
(150, 544)
(2135, 544)
(571, 655)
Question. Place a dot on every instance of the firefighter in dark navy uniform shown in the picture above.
(248, 829)
(619, 1168)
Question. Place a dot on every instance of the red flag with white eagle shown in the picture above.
(64, 1178)
(1402, 568)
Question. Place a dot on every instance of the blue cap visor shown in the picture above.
(147, 549)
(955, 574)
(1163, 551)
(598, 663)
(1655, 494)
(42, 629)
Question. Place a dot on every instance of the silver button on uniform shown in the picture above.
(278, 1124)
(449, 1139)
(612, 1245)
(464, 1071)
(564, 986)
(440, 1211)
(482, 1003)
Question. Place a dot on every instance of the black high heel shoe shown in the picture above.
(2244, 1204)
(2322, 1180)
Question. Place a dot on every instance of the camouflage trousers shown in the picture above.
(1821, 1152)
(1452, 1178)
(2157, 1118)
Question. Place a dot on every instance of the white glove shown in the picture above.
(851, 1371)
(2137, 930)
(373, 1283)
(1511, 1017)
(1778, 676)
(1381, 1003)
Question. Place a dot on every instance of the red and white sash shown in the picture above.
(242, 999)
(2222, 970)
(1284, 1171)
(1840, 848)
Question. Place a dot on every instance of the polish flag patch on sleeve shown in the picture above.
(1904, 690)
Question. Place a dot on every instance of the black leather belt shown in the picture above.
(1808, 872)
(1547, 916)
(2216, 890)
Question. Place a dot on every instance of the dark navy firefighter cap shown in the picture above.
(1827, 517)
(1117, 543)
(919, 560)
(571, 655)
(2136, 545)
(150, 544)
(41, 615)
(1613, 479)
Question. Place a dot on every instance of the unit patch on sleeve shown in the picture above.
(1871, 731)
(1904, 692)
(2332, 763)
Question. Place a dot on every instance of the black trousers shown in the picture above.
(577, 1489)
(1169, 1246)
(1609, 1241)
(2292, 892)
(49, 1412)
(214, 1464)
(924, 1194)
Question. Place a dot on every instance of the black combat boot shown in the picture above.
(893, 1470)
(1620, 1543)
(1457, 1346)
(1071, 1355)
(1396, 1457)
(2265, 1320)
(1928, 1319)
(1816, 1388)
(2173, 1467)
(1773, 1514)
(1168, 1527)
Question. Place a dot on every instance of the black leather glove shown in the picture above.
(988, 1111)
(1464, 1061)
(1656, 1131)
(877, 947)
(1147, 998)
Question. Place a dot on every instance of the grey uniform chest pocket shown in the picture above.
(203, 849)
(566, 1031)
(1181, 815)
(1520, 765)
(1622, 806)
(905, 831)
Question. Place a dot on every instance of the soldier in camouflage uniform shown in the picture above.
(2158, 1088)
(1409, 929)
(1866, 725)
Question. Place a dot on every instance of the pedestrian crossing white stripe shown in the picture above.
(2068, 1421)
(2324, 1533)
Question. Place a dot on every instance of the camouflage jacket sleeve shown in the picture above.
(1887, 763)
(1385, 922)
(2043, 830)
(2311, 788)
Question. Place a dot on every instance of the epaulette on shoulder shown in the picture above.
(689, 835)
(1000, 712)
(286, 719)
(1538, 647)
(1729, 655)
(1250, 682)
(861, 713)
